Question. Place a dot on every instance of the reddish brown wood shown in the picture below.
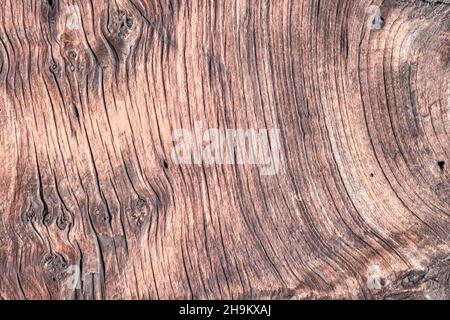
(92, 91)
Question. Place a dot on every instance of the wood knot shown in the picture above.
(101, 215)
(55, 262)
(121, 31)
(139, 211)
(54, 68)
(28, 215)
(121, 24)
(63, 221)
(72, 55)
(74, 59)
(56, 265)
(46, 216)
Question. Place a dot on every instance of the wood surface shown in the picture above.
(92, 91)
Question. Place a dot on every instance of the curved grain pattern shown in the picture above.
(91, 92)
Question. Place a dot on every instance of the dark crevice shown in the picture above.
(435, 2)
(441, 165)
(74, 111)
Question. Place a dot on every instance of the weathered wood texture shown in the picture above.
(91, 92)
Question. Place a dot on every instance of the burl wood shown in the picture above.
(91, 92)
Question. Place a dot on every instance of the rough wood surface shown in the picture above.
(92, 91)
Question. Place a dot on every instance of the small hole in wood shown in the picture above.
(165, 164)
(441, 165)
(72, 55)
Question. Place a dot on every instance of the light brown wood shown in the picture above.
(92, 92)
